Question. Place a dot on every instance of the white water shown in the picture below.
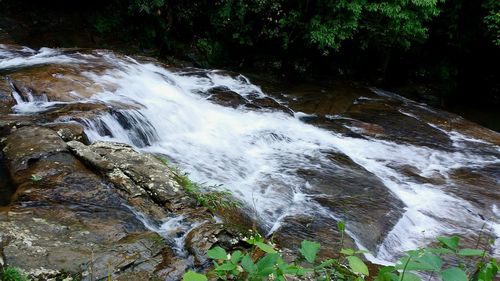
(10, 58)
(173, 229)
(256, 155)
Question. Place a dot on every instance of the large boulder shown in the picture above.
(67, 221)
(142, 178)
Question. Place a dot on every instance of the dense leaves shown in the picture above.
(263, 262)
(294, 25)
(451, 42)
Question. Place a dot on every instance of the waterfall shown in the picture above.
(258, 154)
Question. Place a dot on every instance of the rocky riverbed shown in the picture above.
(84, 193)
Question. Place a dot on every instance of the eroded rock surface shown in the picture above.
(67, 220)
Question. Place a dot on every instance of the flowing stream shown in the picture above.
(281, 164)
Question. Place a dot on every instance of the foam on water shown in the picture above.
(256, 155)
(29, 57)
(173, 229)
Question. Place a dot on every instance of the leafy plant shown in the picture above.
(12, 274)
(265, 262)
(430, 261)
(193, 276)
(492, 20)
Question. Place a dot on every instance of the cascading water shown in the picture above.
(259, 155)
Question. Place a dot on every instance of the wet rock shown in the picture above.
(6, 100)
(294, 229)
(144, 179)
(67, 221)
(477, 185)
(208, 235)
(453, 123)
(268, 104)
(29, 144)
(172, 267)
(141, 178)
(200, 240)
(54, 82)
(383, 119)
(224, 96)
(415, 175)
(69, 131)
(332, 124)
(7, 188)
(356, 196)
(124, 166)
(324, 100)
(73, 111)
(241, 217)
(48, 244)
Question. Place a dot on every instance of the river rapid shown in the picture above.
(398, 172)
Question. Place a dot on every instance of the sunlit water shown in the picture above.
(256, 155)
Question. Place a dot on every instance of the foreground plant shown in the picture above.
(265, 262)
(12, 274)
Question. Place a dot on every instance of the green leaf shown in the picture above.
(295, 270)
(341, 226)
(386, 273)
(280, 278)
(408, 276)
(440, 251)
(450, 242)
(217, 253)
(309, 250)
(265, 265)
(425, 262)
(265, 247)
(488, 271)
(357, 265)
(236, 256)
(348, 252)
(361, 252)
(247, 264)
(453, 274)
(471, 252)
(227, 266)
(326, 263)
(193, 276)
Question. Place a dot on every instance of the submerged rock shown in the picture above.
(356, 196)
(224, 96)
